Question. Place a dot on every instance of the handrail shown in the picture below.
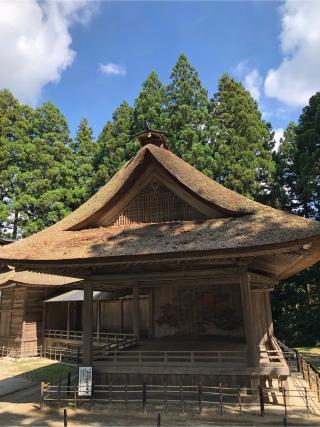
(102, 352)
(78, 335)
(176, 357)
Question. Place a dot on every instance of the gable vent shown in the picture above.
(157, 204)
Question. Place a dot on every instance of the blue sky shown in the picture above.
(253, 41)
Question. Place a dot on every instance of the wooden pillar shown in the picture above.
(44, 315)
(135, 312)
(87, 324)
(98, 319)
(68, 320)
(151, 314)
(267, 300)
(122, 322)
(248, 316)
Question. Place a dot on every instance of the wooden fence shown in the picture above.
(17, 352)
(221, 400)
(309, 373)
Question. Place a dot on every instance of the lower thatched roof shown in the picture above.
(256, 230)
(35, 279)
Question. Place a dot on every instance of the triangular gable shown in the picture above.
(156, 203)
(154, 198)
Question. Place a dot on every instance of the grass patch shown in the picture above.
(39, 370)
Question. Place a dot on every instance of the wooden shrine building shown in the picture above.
(203, 257)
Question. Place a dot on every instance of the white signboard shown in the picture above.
(85, 381)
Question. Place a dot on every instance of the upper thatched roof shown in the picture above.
(243, 224)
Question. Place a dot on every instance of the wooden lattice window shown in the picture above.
(157, 204)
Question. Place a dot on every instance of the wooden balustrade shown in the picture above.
(77, 335)
(176, 358)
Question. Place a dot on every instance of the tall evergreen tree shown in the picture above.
(51, 194)
(284, 190)
(307, 160)
(83, 147)
(187, 116)
(150, 104)
(16, 151)
(241, 141)
(296, 302)
(115, 146)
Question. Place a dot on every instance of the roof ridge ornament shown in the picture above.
(152, 136)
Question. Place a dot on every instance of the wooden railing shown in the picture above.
(176, 358)
(272, 354)
(309, 373)
(77, 335)
(62, 353)
(112, 347)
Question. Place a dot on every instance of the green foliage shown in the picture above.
(115, 146)
(296, 305)
(16, 153)
(285, 177)
(187, 116)
(150, 104)
(49, 193)
(296, 302)
(241, 141)
(307, 159)
(83, 148)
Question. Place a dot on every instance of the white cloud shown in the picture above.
(278, 135)
(297, 77)
(113, 69)
(35, 43)
(251, 78)
(252, 82)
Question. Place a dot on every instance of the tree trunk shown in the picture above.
(15, 225)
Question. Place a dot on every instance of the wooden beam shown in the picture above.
(135, 312)
(87, 324)
(248, 315)
(164, 275)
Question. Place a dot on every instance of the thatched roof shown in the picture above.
(243, 224)
(35, 279)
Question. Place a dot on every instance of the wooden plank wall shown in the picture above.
(262, 315)
(21, 311)
(115, 315)
(12, 312)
